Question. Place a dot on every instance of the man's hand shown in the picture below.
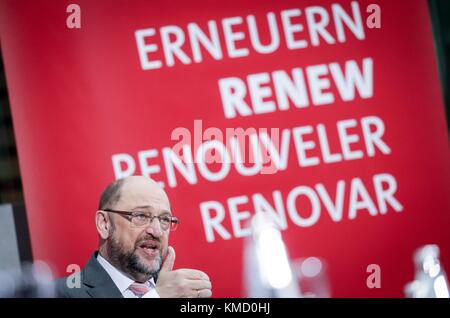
(181, 282)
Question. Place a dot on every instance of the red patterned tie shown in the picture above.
(139, 289)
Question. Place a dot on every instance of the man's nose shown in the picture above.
(154, 228)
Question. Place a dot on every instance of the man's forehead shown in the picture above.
(143, 192)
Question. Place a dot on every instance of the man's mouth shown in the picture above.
(150, 248)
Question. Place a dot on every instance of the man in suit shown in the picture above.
(134, 260)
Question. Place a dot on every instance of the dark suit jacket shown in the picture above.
(95, 283)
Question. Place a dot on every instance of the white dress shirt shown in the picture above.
(123, 282)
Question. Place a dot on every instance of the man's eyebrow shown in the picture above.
(152, 208)
(143, 207)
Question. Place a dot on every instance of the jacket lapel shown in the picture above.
(99, 284)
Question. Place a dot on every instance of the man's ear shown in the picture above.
(103, 224)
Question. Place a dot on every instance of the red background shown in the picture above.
(79, 96)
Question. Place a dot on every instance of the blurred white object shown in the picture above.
(266, 263)
(32, 280)
(312, 277)
(430, 280)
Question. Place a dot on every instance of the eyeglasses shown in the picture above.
(141, 219)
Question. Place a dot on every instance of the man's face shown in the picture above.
(139, 251)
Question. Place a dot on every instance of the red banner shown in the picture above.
(348, 113)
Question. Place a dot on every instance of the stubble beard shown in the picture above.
(130, 262)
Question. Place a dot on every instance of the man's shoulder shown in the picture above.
(92, 281)
(71, 286)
